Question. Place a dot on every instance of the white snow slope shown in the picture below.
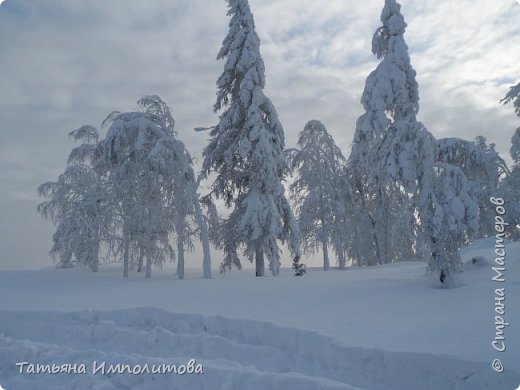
(385, 327)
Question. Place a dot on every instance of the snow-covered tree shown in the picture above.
(299, 268)
(203, 225)
(319, 191)
(135, 183)
(77, 204)
(343, 236)
(514, 151)
(510, 187)
(392, 156)
(179, 186)
(153, 186)
(246, 151)
(129, 191)
(455, 219)
(513, 96)
(484, 169)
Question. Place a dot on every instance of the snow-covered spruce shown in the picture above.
(484, 169)
(510, 186)
(455, 220)
(320, 192)
(392, 157)
(300, 269)
(513, 95)
(77, 204)
(246, 151)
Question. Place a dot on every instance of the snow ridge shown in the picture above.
(235, 354)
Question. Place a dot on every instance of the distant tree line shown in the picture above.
(400, 195)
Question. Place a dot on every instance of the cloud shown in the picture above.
(66, 63)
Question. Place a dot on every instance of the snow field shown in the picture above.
(236, 354)
(385, 327)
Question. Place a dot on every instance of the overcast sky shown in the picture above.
(66, 63)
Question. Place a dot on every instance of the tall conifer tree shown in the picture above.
(246, 151)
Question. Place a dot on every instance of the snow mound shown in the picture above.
(235, 354)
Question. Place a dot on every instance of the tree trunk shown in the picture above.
(382, 244)
(260, 266)
(326, 261)
(180, 255)
(65, 261)
(149, 259)
(141, 260)
(204, 237)
(377, 242)
(95, 257)
(342, 261)
(126, 255)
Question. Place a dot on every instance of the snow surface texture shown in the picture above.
(382, 327)
(237, 354)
